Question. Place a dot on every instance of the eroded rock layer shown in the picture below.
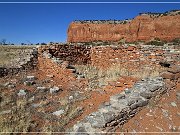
(143, 27)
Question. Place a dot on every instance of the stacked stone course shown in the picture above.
(128, 56)
(120, 108)
(73, 53)
(134, 56)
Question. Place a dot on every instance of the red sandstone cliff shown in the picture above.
(143, 27)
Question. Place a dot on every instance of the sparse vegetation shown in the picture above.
(9, 53)
(176, 41)
(18, 114)
(26, 114)
(98, 77)
(156, 42)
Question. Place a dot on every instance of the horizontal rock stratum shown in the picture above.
(145, 27)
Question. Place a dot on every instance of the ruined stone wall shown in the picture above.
(26, 64)
(120, 108)
(128, 56)
(75, 54)
(57, 70)
(123, 106)
(132, 57)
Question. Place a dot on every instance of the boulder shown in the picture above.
(65, 64)
(177, 76)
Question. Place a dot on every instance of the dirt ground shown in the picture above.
(88, 100)
(159, 117)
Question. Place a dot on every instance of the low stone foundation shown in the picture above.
(120, 108)
(31, 63)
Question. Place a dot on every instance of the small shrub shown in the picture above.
(176, 41)
(155, 42)
(157, 39)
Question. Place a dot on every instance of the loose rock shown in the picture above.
(22, 92)
(54, 89)
(57, 113)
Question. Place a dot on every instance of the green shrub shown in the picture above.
(176, 41)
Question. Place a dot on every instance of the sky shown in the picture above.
(37, 23)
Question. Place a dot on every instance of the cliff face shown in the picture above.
(144, 27)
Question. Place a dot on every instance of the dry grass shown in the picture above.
(9, 53)
(18, 119)
(98, 77)
(16, 115)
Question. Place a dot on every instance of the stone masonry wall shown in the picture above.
(133, 57)
(123, 106)
(27, 63)
(120, 108)
(72, 53)
(129, 56)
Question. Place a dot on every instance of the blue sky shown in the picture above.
(49, 22)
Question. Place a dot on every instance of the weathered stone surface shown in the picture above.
(147, 95)
(58, 113)
(28, 83)
(43, 89)
(66, 54)
(117, 97)
(54, 89)
(30, 78)
(143, 27)
(121, 107)
(22, 93)
(177, 76)
(178, 95)
(173, 104)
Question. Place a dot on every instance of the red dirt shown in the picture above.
(151, 119)
(68, 83)
(96, 98)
